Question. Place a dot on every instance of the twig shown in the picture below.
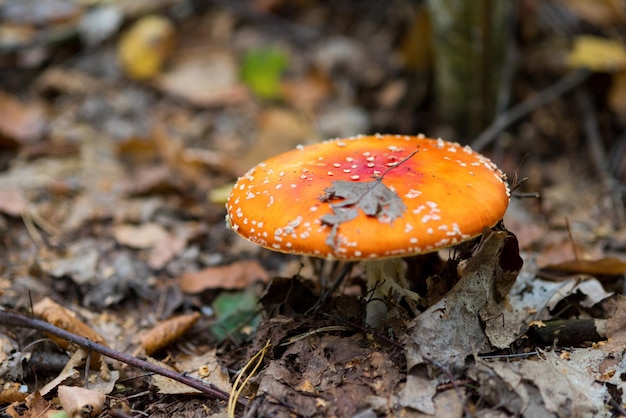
(503, 120)
(507, 356)
(570, 235)
(15, 319)
(598, 157)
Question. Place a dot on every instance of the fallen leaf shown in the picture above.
(78, 402)
(502, 385)
(606, 266)
(144, 47)
(616, 327)
(37, 405)
(12, 392)
(236, 314)
(203, 78)
(205, 367)
(590, 288)
(419, 391)
(468, 319)
(345, 373)
(262, 69)
(166, 332)
(373, 198)
(23, 123)
(164, 250)
(12, 202)
(239, 275)
(567, 388)
(141, 236)
(79, 262)
(61, 317)
(597, 54)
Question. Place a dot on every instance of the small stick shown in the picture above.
(503, 120)
(571, 239)
(598, 157)
(15, 319)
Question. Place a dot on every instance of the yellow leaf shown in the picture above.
(145, 46)
(597, 54)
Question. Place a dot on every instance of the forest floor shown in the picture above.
(114, 172)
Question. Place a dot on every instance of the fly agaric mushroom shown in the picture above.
(372, 198)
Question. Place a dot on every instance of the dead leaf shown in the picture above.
(166, 332)
(468, 319)
(590, 288)
(143, 49)
(78, 402)
(12, 392)
(238, 275)
(23, 123)
(164, 250)
(606, 266)
(597, 54)
(79, 262)
(616, 327)
(344, 372)
(141, 236)
(567, 388)
(205, 367)
(61, 317)
(419, 391)
(12, 202)
(203, 78)
(373, 197)
(37, 405)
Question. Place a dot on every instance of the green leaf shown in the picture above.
(262, 69)
(236, 314)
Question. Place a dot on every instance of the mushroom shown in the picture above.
(372, 198)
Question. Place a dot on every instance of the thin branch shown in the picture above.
(504, 120)
(599, 158)
(15, 319)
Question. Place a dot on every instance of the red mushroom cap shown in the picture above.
(368, 197)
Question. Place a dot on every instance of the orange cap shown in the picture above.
(368, 197)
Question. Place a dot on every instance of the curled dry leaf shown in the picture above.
(144, 48)
(238, 275)
(203, 78)
(141, 236)
(20, 122)
(597, 54)
(61, 317)
(167, 332)
(12, 202)
(205, 367)
(605, 266)
(80, 402)
(469, 318)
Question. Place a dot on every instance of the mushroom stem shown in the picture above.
(385, 281)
